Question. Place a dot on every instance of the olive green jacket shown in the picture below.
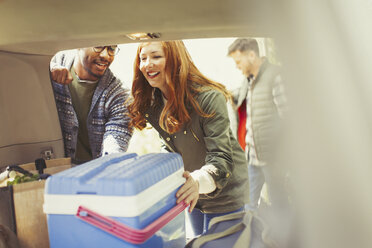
(209, 143)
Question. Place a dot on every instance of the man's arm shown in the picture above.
(59, 71)
(117, 130)
(279, 96)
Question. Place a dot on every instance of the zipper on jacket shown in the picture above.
(196, 137)
(250, 94)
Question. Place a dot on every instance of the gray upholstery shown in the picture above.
(29, 122)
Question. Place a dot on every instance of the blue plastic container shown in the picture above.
(130, 189)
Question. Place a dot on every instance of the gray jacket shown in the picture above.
(209, 141)
(268, 104)
(107, 120)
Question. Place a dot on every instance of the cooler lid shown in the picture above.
(121, 174)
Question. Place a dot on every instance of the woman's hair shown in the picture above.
(183, 81)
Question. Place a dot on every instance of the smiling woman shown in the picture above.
(190, 113)
(152, 65)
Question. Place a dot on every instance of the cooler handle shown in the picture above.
(124, 232)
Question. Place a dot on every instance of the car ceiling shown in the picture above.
(47, 26)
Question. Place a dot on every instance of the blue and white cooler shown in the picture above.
(120, 200)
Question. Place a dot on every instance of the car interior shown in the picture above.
(28, 47)
(325, 50)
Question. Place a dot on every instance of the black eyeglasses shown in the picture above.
(111, 50)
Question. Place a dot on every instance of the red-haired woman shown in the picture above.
(190, 113)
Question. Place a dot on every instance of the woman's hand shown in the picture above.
(189, 191)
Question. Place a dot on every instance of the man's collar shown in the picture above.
(87, 81)
(82, 80)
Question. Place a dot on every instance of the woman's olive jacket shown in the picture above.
(209, 143)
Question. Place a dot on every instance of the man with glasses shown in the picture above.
(90, 102)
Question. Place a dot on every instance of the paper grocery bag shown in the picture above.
(27, 199)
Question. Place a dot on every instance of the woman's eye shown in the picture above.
(142, 59)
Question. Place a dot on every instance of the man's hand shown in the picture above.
(189, 191)
(61, 75)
